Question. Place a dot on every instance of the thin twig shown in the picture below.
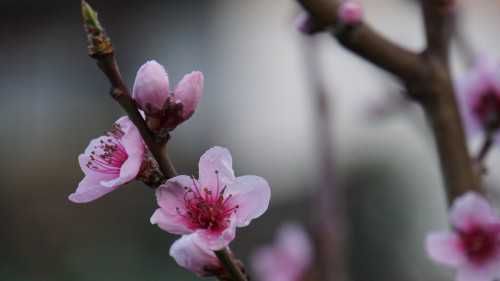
(101, 49)
(230, 265)
(485, 147)
(329, 223)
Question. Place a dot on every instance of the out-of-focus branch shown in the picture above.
(440, 103)
(101, 49)
(438, 20)
(426, 76)
(366, 42)
(329, 222)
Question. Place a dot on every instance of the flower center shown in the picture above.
(109, 154)
(206, 209)
(487, 109)
(479, 244)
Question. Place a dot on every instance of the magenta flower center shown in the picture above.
(479, 244)
(207, 208)
(109, 154)
(487, 109)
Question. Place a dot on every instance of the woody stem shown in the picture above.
(230, 265)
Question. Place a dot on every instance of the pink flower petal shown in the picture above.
(216, 160)
(264, 264)
(473, 273)
(90, 189)
(216, 241)
(293, 239)
(192, 256)
(189, 92)
(287, 259)
(132, 141)
(170, 223)
(444, 247)
(128, 171)
(83, 160)
(151, 87)
(471, 209)
(252, 195)
(170, 198)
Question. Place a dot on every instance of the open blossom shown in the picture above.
(473, 247)
(287, 259)
(110, 161)
(152, 93)
(195, 257)
(212, 206)
(479, 96)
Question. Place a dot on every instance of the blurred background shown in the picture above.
(257, 102)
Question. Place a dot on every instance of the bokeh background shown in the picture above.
(257, 102)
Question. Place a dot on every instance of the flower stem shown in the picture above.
(101, 49)
(230, 265)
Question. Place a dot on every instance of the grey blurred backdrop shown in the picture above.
(53, 100)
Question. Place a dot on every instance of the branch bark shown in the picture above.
(101, 49)
(426, 76)
(328, 203)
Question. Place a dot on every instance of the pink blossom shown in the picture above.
(473, 247)
(287, 259)
(350, 12)
(110, 161)
(195, 257)
(152, 93)
(214, 205)
(479, 97)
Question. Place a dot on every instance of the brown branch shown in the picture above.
(426, 76)
(230, 265)
(329, 221)
(485, 148)
(366, 42)
(101, 49)
(439, 25)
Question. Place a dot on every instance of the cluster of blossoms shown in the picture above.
(120, 156)
(287, 259)
(473, 245)
(207, 210)
(479, 97)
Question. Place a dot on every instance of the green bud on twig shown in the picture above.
(99, 43)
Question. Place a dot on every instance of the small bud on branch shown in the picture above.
(99, 43)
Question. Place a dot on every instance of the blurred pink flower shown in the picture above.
(287, 259)
(350, 12)
(479, 96)
(195, 257)
(305, 23)
(110, 161)
(473, 247)
(152, 93)
(214, 205)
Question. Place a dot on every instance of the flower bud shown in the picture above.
(189, 92)
(350, 12)
(151, 88)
